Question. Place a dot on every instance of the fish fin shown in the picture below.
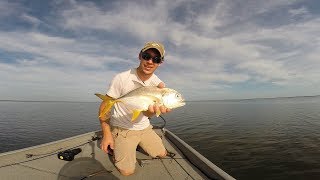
(109, 103)
(136, 113)
(103, 97)
(108, 107)
(158, 113)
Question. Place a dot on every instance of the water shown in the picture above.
(249, 139)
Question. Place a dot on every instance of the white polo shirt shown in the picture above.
(120, 85)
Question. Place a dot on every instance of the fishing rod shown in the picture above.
(164, 124)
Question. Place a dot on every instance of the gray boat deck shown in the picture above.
(92, 163)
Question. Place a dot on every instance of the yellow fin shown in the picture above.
(158, 113)
(109, 103)
(135, 114)
(103, 97)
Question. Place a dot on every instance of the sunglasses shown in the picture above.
(146, 56)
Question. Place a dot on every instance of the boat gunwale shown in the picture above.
(197, 159)
(49, 143)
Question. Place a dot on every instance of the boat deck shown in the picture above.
(41, 162)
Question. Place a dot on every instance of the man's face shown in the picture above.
(148, 66)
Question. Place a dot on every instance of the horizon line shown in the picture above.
(281, 97)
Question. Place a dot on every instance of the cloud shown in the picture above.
(56, 50)
(127, 17)
(210, 52)
(8, 9)
(31, 19)
(301, 11)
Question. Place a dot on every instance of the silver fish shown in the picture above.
(139, 100)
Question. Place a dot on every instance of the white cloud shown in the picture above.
(55, 50)
(31, 19)
(208, 50)
(141, 20)
(302, 11)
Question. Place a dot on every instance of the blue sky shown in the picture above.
(226, 49)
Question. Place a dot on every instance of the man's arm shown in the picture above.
(107, 140)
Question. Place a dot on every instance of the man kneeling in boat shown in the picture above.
(120, 133)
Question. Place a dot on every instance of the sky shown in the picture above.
(67, 50)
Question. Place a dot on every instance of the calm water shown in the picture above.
(249, 139)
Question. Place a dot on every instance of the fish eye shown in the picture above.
(178, 95)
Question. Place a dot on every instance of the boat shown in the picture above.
(80, 157)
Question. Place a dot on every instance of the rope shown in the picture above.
(164, 124)
(169, 154)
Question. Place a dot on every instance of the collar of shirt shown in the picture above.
(136, 78)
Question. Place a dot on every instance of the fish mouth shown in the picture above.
(182, 104)
(176, 105)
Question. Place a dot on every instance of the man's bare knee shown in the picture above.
(126, 172)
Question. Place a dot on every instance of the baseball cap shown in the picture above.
(157, 45)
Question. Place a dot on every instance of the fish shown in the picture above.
(139, 100)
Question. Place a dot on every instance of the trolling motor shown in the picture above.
(68, 155)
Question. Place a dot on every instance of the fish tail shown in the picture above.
(109, 103)
(103, 97)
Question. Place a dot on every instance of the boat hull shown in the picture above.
(42, 162)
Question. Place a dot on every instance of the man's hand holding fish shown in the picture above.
(132, 97)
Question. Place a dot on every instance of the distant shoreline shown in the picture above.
(211, 100)
(47, 101)
(248, 99)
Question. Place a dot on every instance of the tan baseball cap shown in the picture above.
(157, 45)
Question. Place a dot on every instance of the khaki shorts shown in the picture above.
(126, 142)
